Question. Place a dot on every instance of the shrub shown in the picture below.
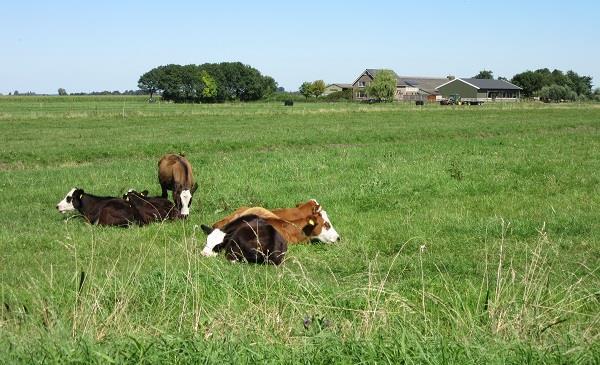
(344, 95)
(557, 93)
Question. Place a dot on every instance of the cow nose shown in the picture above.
(57, 207)
(337, 239)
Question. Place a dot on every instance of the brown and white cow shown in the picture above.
(252, 239)
(175, 174)
(306, 222)
(324, 232)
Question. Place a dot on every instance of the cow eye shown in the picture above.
(327, 225)
(69, 198)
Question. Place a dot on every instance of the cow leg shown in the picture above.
(164, 191)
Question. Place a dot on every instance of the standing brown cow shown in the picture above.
(175, 174)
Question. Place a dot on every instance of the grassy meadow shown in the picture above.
(468, 234)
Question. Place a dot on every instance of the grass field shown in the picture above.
(469, 235)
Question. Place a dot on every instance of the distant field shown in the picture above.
(469, 234)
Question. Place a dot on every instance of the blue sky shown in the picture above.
(107, 45)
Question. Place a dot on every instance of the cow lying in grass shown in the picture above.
(106, 211)
(306, 222)
(323, 232)
(151, 209)
(249, 238)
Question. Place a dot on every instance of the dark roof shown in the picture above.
(343, 86)
(490, 84)
(374, 71)
(427, 84)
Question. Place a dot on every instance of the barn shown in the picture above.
(480, 90)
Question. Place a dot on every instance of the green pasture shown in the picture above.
(468, 234)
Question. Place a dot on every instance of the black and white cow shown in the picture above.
(108, 211)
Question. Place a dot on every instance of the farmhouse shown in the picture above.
(407, 87)
(480, 90)
(331, 88)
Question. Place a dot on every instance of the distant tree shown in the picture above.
(582, 85)
(317, 88)
(383, 86)
(207, 82)
(62, 92)
(280, 89)
(531, 82)
(596, 94)
(16, 92)
(209, 91)
(306, 89)
(502, 78)
(484, 74)
(150, 81)
(269, 86)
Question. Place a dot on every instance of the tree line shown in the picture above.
(207, 83)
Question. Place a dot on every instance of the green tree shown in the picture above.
(62, 92)
(150, 81)
(582, 85)
(207, 82)
(557, 93)
(383, 86)
(306, 89)
(317, 88)
(209, 91)
(484, 74)
(596, 94)
(530, 81)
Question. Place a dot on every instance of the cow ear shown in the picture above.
(194, 188)
(144, 193)
(309, 227)
(206, 229)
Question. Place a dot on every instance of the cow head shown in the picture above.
(183, 201)
(133, 192)
(319, 228)
(215, 238)
(71, 201)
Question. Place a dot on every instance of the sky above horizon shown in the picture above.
(107, 45)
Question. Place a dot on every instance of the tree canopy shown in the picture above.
(383, 86)
(532, 82)
(315, 88)
(209, 82)
(484, 74)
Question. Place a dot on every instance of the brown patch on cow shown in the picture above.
(296, 225)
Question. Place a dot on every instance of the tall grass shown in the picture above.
(468, 236)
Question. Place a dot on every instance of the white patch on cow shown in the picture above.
(215, 238)
(186, 197)
(66, 205)
(328, 235)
